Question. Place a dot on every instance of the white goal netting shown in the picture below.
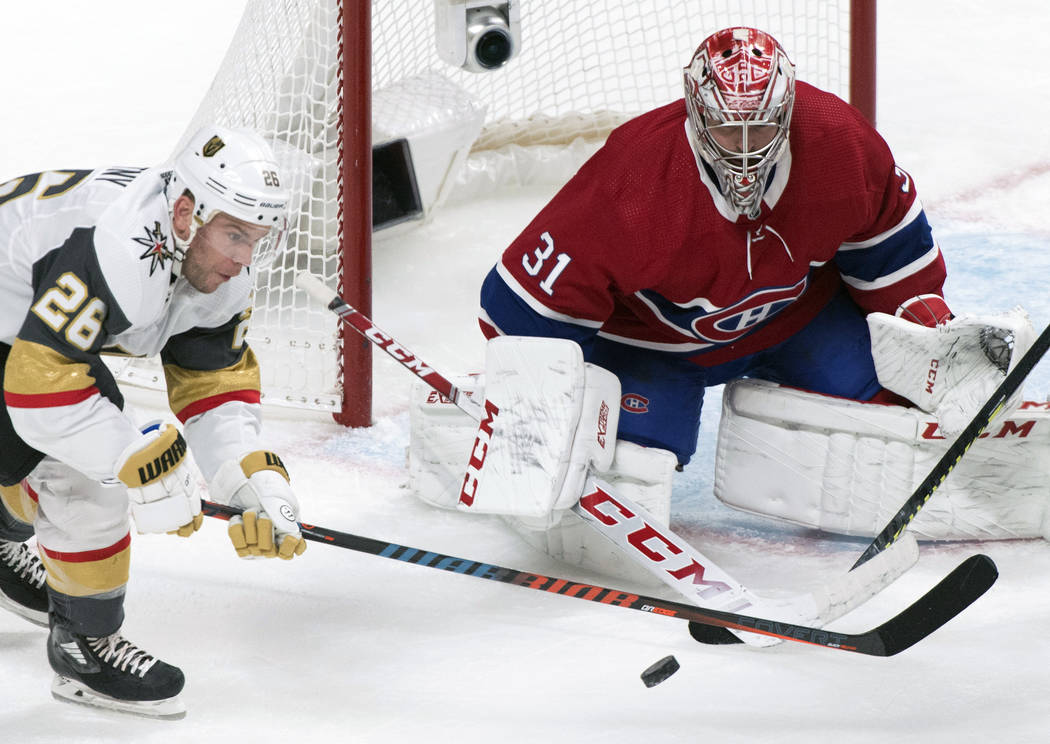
(584, 66)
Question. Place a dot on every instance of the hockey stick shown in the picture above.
(945, 600)
(661, 552)
(893, 529)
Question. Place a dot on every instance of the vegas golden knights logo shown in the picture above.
(212, 146)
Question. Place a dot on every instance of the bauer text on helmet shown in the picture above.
(739, 91)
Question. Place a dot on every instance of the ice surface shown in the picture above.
(342, 646)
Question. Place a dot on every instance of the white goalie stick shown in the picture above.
(657, 549)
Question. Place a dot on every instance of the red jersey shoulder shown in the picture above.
(842, 168)
(630, 199)
(652, 125)
(834, 148)
(644, 153)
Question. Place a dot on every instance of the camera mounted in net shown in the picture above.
(477, 35)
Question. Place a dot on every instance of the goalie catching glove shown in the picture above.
(162, 486)
(259, 485)
(952, 369)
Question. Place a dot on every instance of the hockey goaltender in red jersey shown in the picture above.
(746, 230)
(758, 233)
(753, 229)
(140, 261)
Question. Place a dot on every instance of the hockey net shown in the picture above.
(584, 67)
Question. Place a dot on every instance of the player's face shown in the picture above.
(219, 251)
(743, 137)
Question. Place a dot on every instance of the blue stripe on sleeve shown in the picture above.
(883, 258)
(513, 316)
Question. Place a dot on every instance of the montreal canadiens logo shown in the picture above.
(634, 403)
(730, 323)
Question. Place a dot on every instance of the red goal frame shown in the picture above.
(355, 276)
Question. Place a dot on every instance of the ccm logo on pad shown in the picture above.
(477, 455)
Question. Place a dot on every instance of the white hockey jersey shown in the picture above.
(86, 259)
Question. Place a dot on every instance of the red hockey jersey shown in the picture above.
(641, 247)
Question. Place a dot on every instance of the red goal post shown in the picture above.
(310, 75)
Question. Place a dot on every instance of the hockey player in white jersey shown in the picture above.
(140, 261)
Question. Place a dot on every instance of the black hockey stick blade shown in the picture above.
(949, 597)
(712, 635)
(958, 448)
(953, 594)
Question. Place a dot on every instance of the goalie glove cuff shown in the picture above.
(929, 310)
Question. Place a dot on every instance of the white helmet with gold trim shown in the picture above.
(233, 171)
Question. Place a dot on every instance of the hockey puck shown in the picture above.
(660, 671)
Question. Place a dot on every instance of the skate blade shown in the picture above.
(70, 691)
(34, 616)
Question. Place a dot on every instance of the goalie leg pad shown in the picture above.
(548, 418)
(440, 440)
(441, 437)
(846, 466)
(642, 475)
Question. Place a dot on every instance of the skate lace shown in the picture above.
(23, 562)
(120, 653)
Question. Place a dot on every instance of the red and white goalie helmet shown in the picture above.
(739, 91)
(233, 171)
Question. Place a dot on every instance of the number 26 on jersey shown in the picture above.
(69, 297)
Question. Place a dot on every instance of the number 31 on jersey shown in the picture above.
(534, 267)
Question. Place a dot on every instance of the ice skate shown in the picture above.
(22, 582)
(113, 673)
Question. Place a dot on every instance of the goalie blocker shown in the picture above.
(549, 420)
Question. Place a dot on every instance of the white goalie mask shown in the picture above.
(233, 171)
(739, 92)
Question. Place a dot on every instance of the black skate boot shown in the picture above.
(112, 672)
(22, 582)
